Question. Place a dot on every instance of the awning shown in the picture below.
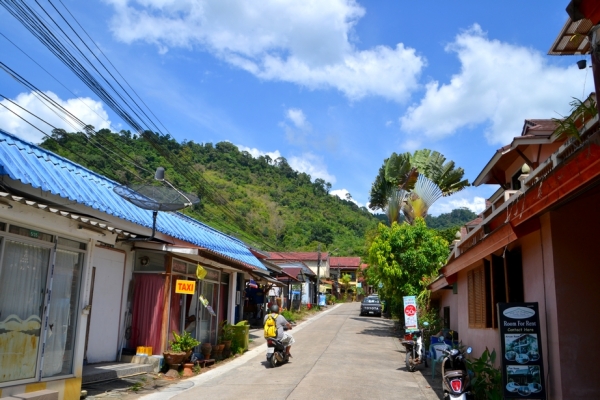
(195, 253)
(572, 38)
(265, 278)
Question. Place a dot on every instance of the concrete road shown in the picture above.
(337, 355)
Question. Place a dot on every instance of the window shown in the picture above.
(479, 307)
(497, 280)
(515, 182)
(447, 317)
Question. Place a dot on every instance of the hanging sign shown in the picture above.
(204, 302)
(185, 287)
(520, 340)
(410, 313)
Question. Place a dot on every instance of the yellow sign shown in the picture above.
(185, 287)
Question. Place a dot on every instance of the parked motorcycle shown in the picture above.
(415, 350)
(456, 381)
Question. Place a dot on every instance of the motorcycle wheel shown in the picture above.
(273, 361)
(410, 366)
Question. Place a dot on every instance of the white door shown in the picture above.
(103, 335)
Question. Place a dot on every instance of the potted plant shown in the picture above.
(180, 349)
(227, 333)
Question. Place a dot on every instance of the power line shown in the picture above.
(41, 30)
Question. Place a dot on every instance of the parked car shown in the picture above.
(371, 306)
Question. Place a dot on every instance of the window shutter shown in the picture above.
(477, 298)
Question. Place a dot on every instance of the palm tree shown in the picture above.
(413, 182)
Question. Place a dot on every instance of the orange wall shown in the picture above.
(576, 248)
(539, 286)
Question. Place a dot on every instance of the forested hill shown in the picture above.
(455, 218)
(262, 201)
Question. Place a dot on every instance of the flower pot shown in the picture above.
(187, 369)
(227, 344)
(206, 349)
(174, 358)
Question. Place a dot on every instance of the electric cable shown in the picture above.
(35, 24)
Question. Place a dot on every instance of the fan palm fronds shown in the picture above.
(425, 193)
(433, 165)
(394, 205)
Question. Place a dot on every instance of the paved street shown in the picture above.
(337, 355)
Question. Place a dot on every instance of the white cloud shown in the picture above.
(257, 153)
(446, 205)
(298, 118)
(342, 194)
(499, 85)
(309, 163)
(304, 42)
(300, 133)
(89, 111)
(313, 165)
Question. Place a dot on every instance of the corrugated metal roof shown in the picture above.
(344, 262)
(297, 256)
(32, 165)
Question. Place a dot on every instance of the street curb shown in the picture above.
(183, 386)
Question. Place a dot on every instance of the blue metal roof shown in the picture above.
(35, 166)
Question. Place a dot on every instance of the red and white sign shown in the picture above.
(410, 313)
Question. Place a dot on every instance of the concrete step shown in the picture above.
(113, 370)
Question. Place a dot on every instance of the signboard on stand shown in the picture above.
(410, 313)
(521, 344)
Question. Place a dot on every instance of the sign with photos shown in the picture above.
(521, 344)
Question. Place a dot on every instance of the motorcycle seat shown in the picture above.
(456, 373)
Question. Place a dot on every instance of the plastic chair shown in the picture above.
(437, 354)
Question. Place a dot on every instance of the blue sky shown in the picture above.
(334, 86)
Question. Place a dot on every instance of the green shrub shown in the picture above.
(289, 315)
(487, 383)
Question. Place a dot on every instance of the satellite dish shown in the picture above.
(161, 196)
(156, 197)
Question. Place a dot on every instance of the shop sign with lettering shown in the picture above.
(521, 344)
(185, 287)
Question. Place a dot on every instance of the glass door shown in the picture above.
(208, 320)
(23, 283)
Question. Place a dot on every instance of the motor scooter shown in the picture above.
(415, 350)
(276, 354)
(456, 381)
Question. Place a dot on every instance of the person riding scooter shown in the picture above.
(283, 327)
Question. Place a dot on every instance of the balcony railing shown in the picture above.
(478, 233)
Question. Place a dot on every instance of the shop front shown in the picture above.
(169, 297)
(41, 273)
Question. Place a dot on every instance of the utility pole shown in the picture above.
(318, 272)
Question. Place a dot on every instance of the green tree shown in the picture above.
(401, 255)
(345, 280)
(413, 182)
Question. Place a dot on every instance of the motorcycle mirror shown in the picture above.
(426, 323)
(469, 350)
